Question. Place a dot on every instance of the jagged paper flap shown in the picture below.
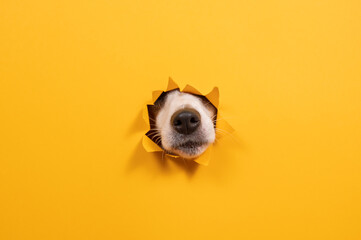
(213, 97)
(156, 94)
(222, 127)
(190, 89)
(149, 145)
(171, 85)
(204, 159)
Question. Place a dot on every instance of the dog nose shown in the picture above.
(186, 121)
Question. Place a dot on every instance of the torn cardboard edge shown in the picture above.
(204, 159)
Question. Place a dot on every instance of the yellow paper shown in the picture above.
(75, 75)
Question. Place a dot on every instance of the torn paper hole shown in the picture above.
(189, 122)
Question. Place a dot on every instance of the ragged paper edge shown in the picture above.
(221, 124)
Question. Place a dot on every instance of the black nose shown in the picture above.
(186, 121)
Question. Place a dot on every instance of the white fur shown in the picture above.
(175, 101)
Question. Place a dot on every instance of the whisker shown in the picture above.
(153, 134)
(227, 134)
(151, 119)
(156, 137)
(155, 129)
(158, 141)
(223, 131)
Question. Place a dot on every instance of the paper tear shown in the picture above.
(149, 145)
(223, 126)
(190, 89)
(171, 85)
(156, 94)
(213, 96)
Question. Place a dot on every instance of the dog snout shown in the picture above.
(186, 121)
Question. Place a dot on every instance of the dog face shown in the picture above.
(184, 123)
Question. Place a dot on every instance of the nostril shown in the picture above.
(177, 123)
(194, 120)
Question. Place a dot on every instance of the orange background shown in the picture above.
(74, 76)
